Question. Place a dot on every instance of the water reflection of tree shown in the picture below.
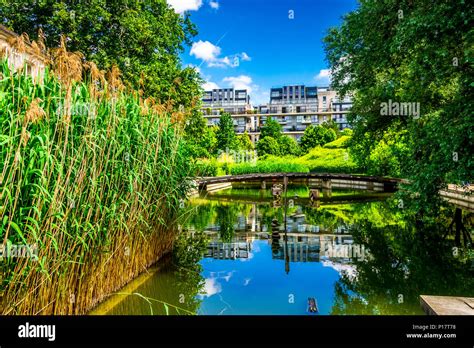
(407, 259)
(202, 216)
(268, 213)
(189, 248)
(226, 219)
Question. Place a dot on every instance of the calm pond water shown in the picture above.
(354, 252)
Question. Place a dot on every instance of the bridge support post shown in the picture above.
(370, 185)
(314, 195)
(263, 185)
(327, 188)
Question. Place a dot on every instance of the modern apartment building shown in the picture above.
(295, 107)
(341, 104)
(234, 101)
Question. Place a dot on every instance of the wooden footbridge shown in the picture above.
(460, 197)
(324, 180)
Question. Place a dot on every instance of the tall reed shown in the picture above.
(93, 176)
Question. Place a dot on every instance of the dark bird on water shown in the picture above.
(312, 305)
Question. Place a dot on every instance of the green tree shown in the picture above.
(199, 137)
(268, 146)
(226, 138)
(415, 52)
(271, 129)
(289, 146)
(330, 124)
(316, 136)
(244, 142)
(209, 139)
(226, 219)
(143, 38)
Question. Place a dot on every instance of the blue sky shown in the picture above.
(258, 44)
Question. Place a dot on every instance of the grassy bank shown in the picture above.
(92, 176)
(332, 157)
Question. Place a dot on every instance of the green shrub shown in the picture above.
(315, 136)
(289, 146)
(347, 131)
(206, 167)
(340, 143)
(268, 146)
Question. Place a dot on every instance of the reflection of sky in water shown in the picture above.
(260, 285)
(244, 271)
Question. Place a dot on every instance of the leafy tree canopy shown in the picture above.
(226, 138)
(244, 141)
(271, 129)
(268, 146)
(289, 146)
(316, 136)
(417, 52)
(200, 138)
(143, 38)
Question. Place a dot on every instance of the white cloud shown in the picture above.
(245, 57)
(181, 6)
(228, 276)
(205, 50)
(214, 4)
(211, 287)
(240, 82)
(220, 63)
(209, 53)
(323, 77)
(209, 85)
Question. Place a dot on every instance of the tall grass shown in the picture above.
(92, 175)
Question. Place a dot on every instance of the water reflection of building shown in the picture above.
(298, 248)
(225, 251)
(296, 222)
(302, 247)
(303, 242)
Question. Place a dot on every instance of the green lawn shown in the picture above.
(332, 157)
